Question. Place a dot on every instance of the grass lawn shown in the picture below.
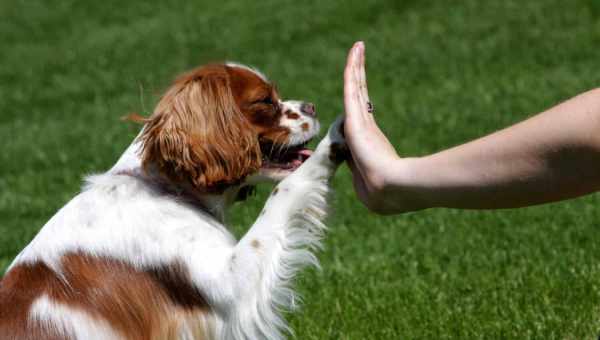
(440, 73)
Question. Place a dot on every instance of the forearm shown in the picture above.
(551, 156)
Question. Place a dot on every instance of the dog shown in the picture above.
(143, 251)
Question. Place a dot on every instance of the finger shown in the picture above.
(361, 75)
(360, 81)
(351, 83)
(352, 60)
(355, 103)
(359, 68)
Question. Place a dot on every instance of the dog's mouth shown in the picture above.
(284, 157)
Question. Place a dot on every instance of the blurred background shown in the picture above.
(440, 73)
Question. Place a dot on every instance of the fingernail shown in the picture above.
(358, 48)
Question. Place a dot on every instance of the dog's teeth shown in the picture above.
(306, 152)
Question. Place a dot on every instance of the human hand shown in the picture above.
(373, 157)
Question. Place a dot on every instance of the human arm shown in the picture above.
(552, 156)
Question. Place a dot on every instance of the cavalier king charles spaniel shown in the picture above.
(143, 252)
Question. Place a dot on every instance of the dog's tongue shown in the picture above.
(301, 156)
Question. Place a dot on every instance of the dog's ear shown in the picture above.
(198, 134)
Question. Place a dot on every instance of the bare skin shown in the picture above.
(551, 156)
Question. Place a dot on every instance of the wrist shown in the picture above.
(408, 179)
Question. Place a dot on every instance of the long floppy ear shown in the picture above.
(198, 134)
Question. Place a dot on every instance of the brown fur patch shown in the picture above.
(207, 128)
(18, 289)
(198, 135)
(138, 304)
(292, 115)
(255, 244)
(258, 101)
(305, 126)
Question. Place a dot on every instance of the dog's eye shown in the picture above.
(266, 100)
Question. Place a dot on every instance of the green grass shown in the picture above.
(440, 73)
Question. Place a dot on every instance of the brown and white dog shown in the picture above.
(143, 253)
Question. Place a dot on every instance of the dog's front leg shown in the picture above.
(281, 242)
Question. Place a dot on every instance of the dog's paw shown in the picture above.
(338, 150)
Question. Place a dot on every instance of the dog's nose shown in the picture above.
(309, 109)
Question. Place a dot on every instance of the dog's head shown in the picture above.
(219, 125)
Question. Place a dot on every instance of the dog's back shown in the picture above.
(86, 294)
(98, 298)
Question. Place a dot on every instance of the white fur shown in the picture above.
(248, 68)
(298, 134)
(247, 283)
